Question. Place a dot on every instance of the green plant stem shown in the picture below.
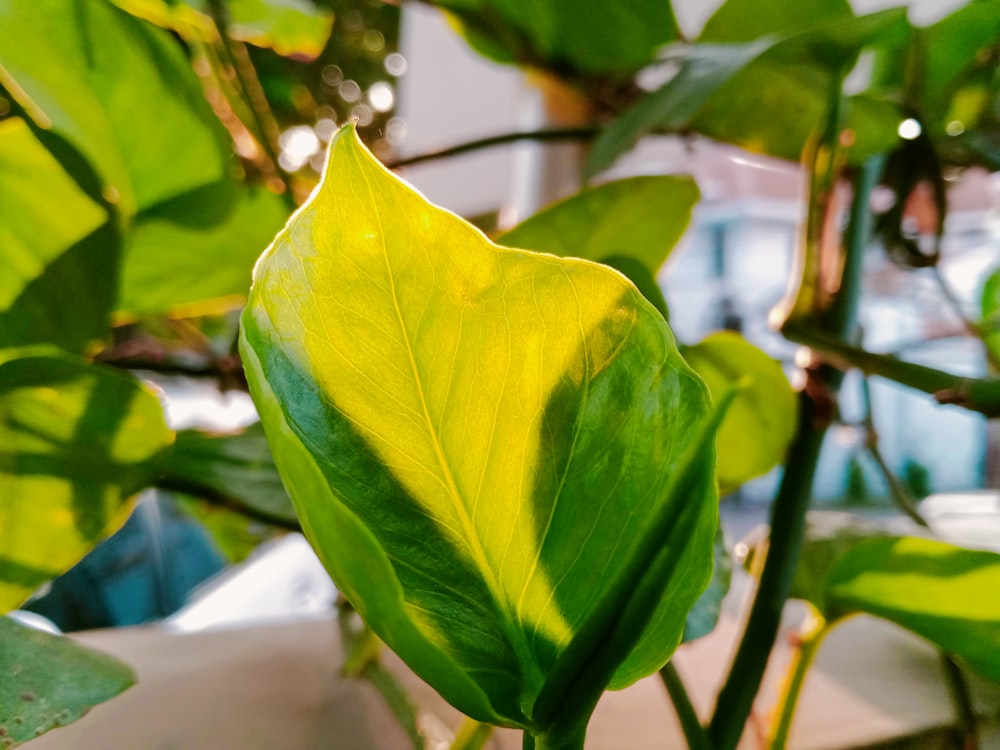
(897, 490)
(694, 732)
(811, 638)
(472, 735)
(967, 725)
(253, 93)
(361, 660)
(788, 521)
(788, 511)
(976, 394)
(550, 135)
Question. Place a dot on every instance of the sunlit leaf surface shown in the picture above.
(990, 306)
(500, 455)
(120, 92)
(759, 425)
(632, 225)
(77, 441)
(295, 28)
(57, 250)
(50, 681)
(947, 594)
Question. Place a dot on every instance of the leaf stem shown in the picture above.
(788, 521)
(810, 638)
(976, 394)
(816, 406)
(897, 490)
(548, 135)
(253, 93)
(472, 735)
(967, 725)
(694, 732)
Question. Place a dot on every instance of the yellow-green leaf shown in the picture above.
(947, 594)
(58, 250)
(761, 422)
(500, 455)
(77, 441)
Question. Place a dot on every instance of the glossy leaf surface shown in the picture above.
(566, 34)
(201, 266)
(632, 225)
(490, 448)
(237, 468)
(120, 92)
(57, 250)
(50, 681)
(761, 421)
(295, 28)
(947, 594)
(77, 441)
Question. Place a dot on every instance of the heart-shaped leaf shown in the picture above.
(500, 455)
(77, 441)
(50, 681)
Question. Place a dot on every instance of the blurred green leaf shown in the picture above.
(704, 615)
(766, 91)
(77, 441)
(630, 224)
(190, 268)
(121, 93)
(746, 20)
(58, 250)
(829, 536)
(293, 28)
(990, 307)
(234, 534)
(235, 468)
(947, 594)
(565, 34)
(471, 429)
(761, 422)
(50, 681)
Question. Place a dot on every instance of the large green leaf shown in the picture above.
(77, 441)
(58, 250)
(947, 594)
(704, 615)
(630, 224)
(235, 468)
(766, 91)
(760, 424)
(120, 92)
(199, 266)
(500, 456)
(295, 28)
(50, 681)
(566, 35)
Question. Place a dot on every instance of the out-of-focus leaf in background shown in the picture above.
(122, 94)
(759, 425)
(77, 442)
(294, 28)
(50, 681)
(58, 250)
(631, 225)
